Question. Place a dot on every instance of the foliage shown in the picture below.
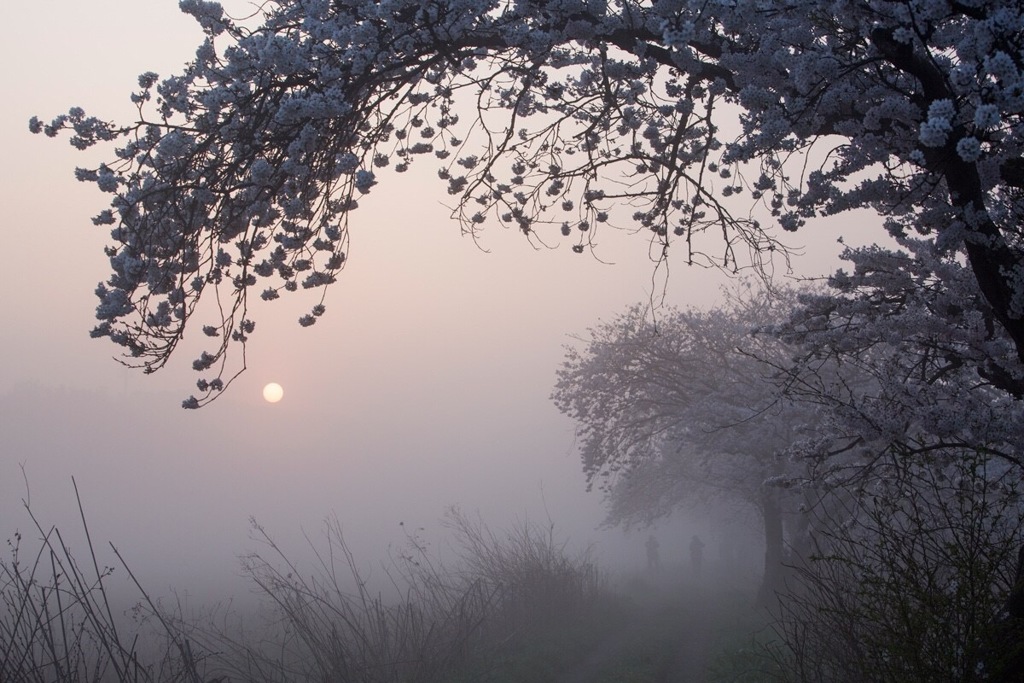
(514, 606)
(909, 578)
(332, 625)
(535, 579)
(904, 365)
(554, 118)
(680, 406)
(917, 520)
(506, 593)
(685, 410)
(904, 451)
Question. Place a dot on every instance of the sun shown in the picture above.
(273, 392)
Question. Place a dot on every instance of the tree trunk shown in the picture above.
(993, 260)
(774, 548)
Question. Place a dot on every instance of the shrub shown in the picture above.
(908, 579)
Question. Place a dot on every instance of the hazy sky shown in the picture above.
(425, 385)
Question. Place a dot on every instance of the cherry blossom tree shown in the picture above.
(701, 125)
(685, 410)
(919, 521)
(942, 374)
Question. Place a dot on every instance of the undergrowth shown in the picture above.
(515, 606)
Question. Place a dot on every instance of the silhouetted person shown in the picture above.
(653, 558)
(696, 554)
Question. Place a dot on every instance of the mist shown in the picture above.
(425, 386)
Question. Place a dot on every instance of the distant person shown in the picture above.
(696, 554)
(653, 557)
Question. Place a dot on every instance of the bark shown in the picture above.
(993, 261)
(774, 548)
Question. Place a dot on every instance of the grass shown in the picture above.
(513, 606)
(57, 624)
(675, 632)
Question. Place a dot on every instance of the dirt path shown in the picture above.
(682, 633)
(694, 650)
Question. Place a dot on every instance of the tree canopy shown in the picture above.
(899, 352)
(873, 412)
(687, 411)
(666, 408)
(703, 125)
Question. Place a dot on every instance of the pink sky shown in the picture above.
(425, 385)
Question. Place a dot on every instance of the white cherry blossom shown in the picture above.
(248, 164)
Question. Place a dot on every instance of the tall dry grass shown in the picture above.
(324, 622)
(57, 624)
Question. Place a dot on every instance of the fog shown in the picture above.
(426, 384)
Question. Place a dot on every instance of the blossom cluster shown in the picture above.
(557, 119)
(936, 374)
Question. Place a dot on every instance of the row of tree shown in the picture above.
(860, 422)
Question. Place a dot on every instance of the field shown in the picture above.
(512, 607)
